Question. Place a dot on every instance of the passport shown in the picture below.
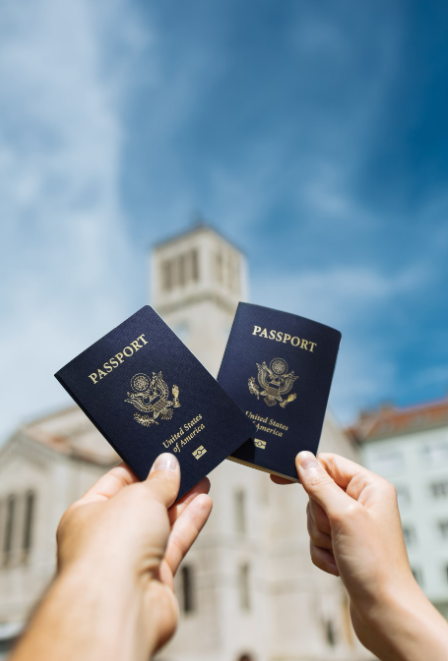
(147, 394)
(278, 368)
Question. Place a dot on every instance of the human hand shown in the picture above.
(127, 525)
(355, 532)
(119, 548)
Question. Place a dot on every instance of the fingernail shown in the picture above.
(165, 462)
(307, 460)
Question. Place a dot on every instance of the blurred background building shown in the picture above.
(409, 447)
(248, 590)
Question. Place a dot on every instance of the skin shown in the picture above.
(119, 548)
(355, 533)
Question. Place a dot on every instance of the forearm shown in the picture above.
(88, 615)
(403, 626)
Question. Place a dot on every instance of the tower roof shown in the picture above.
(199, 227)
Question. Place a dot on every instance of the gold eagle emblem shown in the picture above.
(275, 382)
(150, 396)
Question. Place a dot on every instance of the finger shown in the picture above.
(321, 487)
(163, 481)
(319, 538)
(108, 485)
(176, 510)
(186, 529)
(280, 480)
(323, 560)
(349, 475)
(319, 516)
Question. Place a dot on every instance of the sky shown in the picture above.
(311, 134)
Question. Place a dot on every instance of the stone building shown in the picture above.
(409, 447)
(247, 590)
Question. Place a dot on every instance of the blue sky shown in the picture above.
(312, 134)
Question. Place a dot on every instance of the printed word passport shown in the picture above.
(148, 394)
(278, 368)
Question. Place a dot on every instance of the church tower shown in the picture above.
(197, 280)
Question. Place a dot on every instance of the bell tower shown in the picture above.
(197, 280)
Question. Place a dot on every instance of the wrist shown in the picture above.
(402, 623)
(108, 603)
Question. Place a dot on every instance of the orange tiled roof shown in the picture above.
(390, 420)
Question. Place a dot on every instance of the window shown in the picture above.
(330, 634)
(240, 512)
(439, 489)
(180, 270)
(443, 528)
(166, 276)
(28, 523)
(243, 585)
(436, 452)
(9, 530)
(187, 578)
(409, 535)
(16, 527)
(388, 463)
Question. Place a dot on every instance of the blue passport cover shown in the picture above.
(278, 368)
(148, 394)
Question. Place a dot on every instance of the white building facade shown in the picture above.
(409, 447)
(247, 590)
(44, 467)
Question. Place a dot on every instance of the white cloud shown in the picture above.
(339, 294)
(64, 242)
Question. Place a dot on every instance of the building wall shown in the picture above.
(417, 464)
(55, 482)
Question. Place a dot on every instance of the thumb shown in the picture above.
(163, 480)
(320, 486)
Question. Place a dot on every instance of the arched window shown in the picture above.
(9, 529)
(330, 633)
(167, 278)
(244, 588)
(246, 657)
(187, 579)
(194, 265)
(30, 501)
